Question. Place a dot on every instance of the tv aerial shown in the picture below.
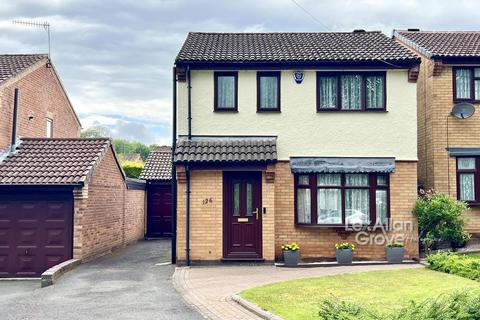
(44, 25)
(463, 110)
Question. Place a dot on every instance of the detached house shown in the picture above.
(300, 137)
(448, 141)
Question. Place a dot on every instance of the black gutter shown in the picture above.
(14, 120)
(174, 169)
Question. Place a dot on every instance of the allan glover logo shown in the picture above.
(393, 231)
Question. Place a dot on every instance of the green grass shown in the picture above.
(379, 291)
(475, 255)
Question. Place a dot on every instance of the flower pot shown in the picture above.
(344, 256)
(394, 254)
(291, 258)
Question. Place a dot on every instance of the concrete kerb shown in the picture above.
(50, 276)
(253, 308)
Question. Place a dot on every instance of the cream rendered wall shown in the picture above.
(300, 129)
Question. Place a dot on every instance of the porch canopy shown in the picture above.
(341, 165)
(226, 150)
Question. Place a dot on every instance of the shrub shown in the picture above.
(394, 245)
(345, 245)
(440, 219)
(454, 306)
(132, 169)
(461, 265)
(290, 246)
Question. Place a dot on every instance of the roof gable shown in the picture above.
(285, 47)
(13, 64)
(158, 165)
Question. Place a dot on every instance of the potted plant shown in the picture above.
(291, 253)
(344, 252)
(394, 252)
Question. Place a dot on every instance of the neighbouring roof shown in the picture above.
(341, 165)
(158, 165)
(312, 47)
(52, 161)
(442, 44)
(12, 64)
(226, 150)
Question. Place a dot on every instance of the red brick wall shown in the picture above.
(108, 215)
(41, 95)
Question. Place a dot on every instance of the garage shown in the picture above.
(64, 198)
(158, 174)
(35, 231)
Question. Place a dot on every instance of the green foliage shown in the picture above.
(96, 132)
(132, 169)
(290, 246)
(461, 265)
(440, 219)
(394, 245)
(123, 147)
(455, 306)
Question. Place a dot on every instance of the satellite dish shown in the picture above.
(463, 110)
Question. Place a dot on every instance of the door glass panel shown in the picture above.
(466, 163)
(236, 199)
(249, 200)
(467, 186)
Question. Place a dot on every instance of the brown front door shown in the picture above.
(159, 211)
(242, 211)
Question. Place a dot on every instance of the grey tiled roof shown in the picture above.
(292, 47)
(226, 149)
(52, 161)
(11, 64)
(158, 165)
(442, 43)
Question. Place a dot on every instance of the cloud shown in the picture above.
(115, 57)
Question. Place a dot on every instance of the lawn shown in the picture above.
(379, 291)
(475, 255)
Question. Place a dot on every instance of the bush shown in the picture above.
(460, 265)
(440, 219)
(132, 169)
(454, 306)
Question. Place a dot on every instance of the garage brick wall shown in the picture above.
(42, 96)
(107, 215)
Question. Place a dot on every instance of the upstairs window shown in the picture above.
(338, 199)
(49, 128)
(268, 91)
(466, 84)
(351, 91)
(226, 91)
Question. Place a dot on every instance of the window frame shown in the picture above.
(276, 74)
(217, 74)
(372, 187)
(472, 84)
(49, 120)
(476, 179)
(363, 90)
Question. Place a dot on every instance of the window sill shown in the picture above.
(466, 100)
(355, 111)
(268, 111)
(225, 110)
(473, 204)
(347, 228)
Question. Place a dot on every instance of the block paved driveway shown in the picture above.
(209, 289)
(123, 285)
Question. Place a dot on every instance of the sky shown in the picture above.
(115, 58)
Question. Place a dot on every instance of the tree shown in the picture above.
(97, 131)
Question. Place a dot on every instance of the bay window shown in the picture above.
(362, 91)
(225, 91)
(337, 199)
(467, 177)
(466, 84)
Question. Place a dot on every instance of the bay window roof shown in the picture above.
(341, 165)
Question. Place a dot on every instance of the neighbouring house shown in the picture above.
(158, 175)
(44, 109)
(448, 146)
(300, 137)
(63, 198)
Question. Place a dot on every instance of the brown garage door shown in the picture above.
(159, 211)
(35, 231)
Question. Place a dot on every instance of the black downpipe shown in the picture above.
(189, 86)
(187, 237)
(174, 170)
(14, 120)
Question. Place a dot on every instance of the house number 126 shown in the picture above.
(207, 201)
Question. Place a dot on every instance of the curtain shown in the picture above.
(357, 207)
(329, 179)
(467, 186)
(462, 83)
(375, 92)
(328, 92)
(268, 92)
(303, 206)
(226, 92)
(381, 206)
(381, 180)
(351, 89)
(356, 180)
(477, 89)
(329, 206)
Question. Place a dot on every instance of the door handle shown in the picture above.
(255, 212)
